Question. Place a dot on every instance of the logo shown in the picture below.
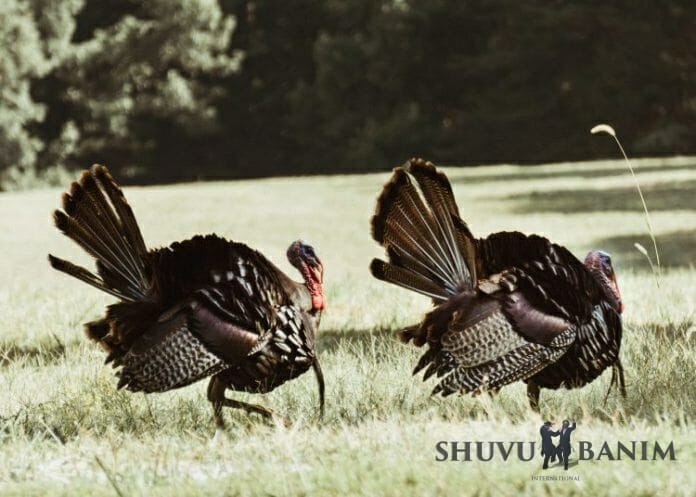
(562, 451)
(556, 448)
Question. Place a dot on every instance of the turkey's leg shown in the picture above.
(216, 395)
(320, 382)
(533, 395)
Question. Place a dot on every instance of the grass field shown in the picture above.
(65, 430)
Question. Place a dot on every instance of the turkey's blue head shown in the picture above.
(304, 258)
(598, 263)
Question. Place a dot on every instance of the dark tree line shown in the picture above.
(178, 89)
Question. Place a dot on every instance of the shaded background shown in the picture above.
(171, 90)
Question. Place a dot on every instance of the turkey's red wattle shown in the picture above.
(314, 285)
(318, 300)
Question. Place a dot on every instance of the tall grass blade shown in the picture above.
(657, 269)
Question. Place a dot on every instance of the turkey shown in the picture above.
(204, 307)
(507, 307)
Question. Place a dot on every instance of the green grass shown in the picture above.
(65, 430)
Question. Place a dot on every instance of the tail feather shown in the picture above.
(97, 217)
(424, 237)
(88, 203)
(94, 246)
(402, 259)
(467, 246)
(413, 217)
(85, 275)
(438, 193)
(403, 243)
(407, 279)
(436, 187)
(125, 214)
(404, 226)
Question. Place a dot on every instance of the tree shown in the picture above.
(22, 59)
(167, 90)
(141, 92)
(34, 36)
(264, 109)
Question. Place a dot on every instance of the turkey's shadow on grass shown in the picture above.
(332, 339)
(534, 173)
(666, 196)
(677, 249)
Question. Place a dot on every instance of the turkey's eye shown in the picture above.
(605, 260)
(308, 253)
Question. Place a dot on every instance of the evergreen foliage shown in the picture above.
(167, 90)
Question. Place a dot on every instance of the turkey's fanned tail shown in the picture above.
(97, 217)
(430, 249)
